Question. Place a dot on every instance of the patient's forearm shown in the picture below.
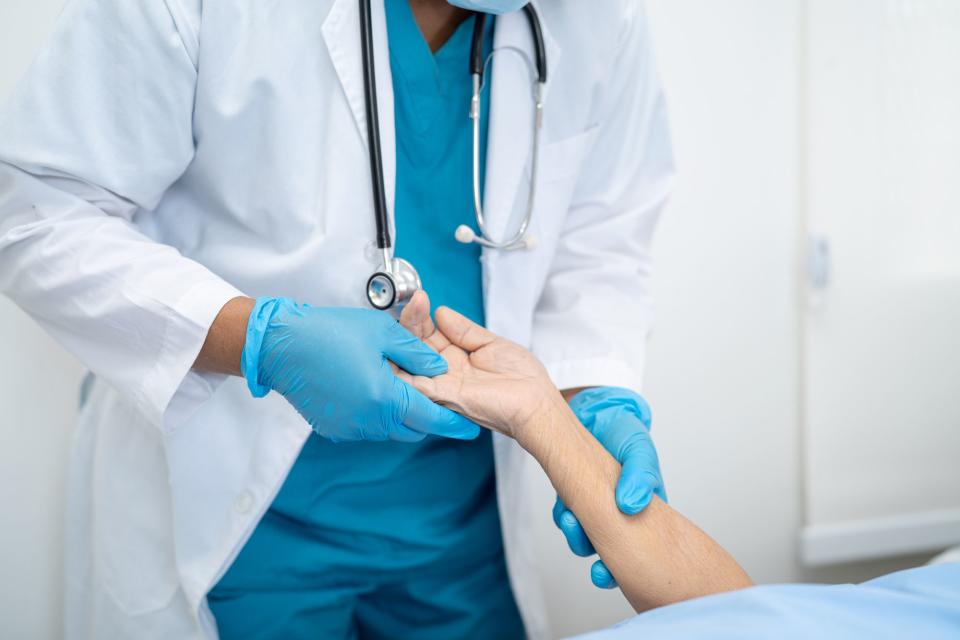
(658, 557)
(568, 394)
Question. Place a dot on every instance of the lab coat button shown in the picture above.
(244, 502)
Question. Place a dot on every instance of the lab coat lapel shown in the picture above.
(508, 154)
(341, 33)
(511, 119)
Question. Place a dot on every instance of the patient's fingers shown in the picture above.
(430, 387)
(462, 331)
(437, 341)
(415, 317)
(441, 389)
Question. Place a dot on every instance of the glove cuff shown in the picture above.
(589, 402)
(257, 325)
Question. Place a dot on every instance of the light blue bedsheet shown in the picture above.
(918, 603)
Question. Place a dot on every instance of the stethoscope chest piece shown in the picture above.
(392, 287)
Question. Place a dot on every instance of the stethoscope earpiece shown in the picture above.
(465, 234)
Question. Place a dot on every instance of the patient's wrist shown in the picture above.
(551, 417)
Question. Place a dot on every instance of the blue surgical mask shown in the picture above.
(496, 7)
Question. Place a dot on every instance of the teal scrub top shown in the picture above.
(434, 192)
(401, 506)
(355, 517)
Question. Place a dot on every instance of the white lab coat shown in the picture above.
(164, 156)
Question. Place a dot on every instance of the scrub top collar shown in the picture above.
(432, 78)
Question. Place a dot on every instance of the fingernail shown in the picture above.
(568, 519)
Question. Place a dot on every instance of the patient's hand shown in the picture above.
(658, 557)
(496, 383)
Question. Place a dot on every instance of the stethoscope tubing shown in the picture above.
(398, 278)
(373, 128)
(519, 239)
(477, 61)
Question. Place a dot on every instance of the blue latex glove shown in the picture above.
(620, 420)
(333, 365)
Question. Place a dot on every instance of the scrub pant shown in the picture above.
(357, 608)
(394, 540)
(274, 594)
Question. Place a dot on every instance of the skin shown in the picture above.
(438, 20)
(225, 339)
(658, 557)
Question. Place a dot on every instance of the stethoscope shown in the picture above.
(393, 286)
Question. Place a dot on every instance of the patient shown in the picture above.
(658, 557)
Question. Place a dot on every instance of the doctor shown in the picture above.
(186, 205)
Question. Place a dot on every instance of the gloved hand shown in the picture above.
(333, 365)
(620, 420)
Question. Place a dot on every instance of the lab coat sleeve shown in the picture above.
(95, 133)
(592, 320)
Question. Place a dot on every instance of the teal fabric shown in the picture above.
(434, 164)
(393, 540)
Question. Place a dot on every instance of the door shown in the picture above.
(881, 336)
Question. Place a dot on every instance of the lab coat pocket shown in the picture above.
(560, 165)
(564, 158)
(134, 548)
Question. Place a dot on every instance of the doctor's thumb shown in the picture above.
(635, 489)
(415, 317)
(411, 354)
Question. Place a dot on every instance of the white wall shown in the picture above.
(38, 394)
(723, 371)
(722, 375)
(723, 360)
(882, 102)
